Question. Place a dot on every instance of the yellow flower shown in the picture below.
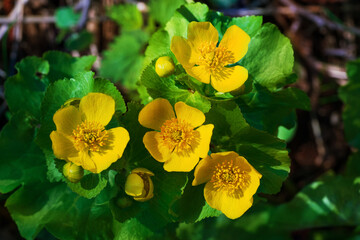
(230, 180)
(139, 184)
(206, 61)
(81, 137)
(180, 140)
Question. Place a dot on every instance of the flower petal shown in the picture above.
(118, 139)
(154, 114)
(232, 207)
(204, 171)
(235, 40)
(153, 144)
(189, 114)
(229, 79)
(66, 119)
(83, 159)
(134, 185)
(181, 161)
(200, 73)
(254, 176)
(103, 160)
(205, 138)
(181, 50)
(200, 33)
(97, 107)
(62, 146)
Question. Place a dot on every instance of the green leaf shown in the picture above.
(250, 24)
(79, 41)
(132, 230)
(192, 207)
(123, 60)
(21, 160)
(25, 90)
(266, 153)
(163, 10)
(63, 213)
(353, 165)
(178, 24)
(58, 93)
(159, 45)
(270, 58)
(267, 110)
(63, 65)
(349, 94)
(66, 17)
(90, 185)
(126, 15)
(165, 88)
(207, 212)
(333, 201)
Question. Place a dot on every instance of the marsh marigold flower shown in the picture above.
(139, 184)
(179, 140)
(81, 137)
(230, 181)
(207, 61)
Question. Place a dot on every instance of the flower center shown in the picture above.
(230, 178)
(177, 135)
(90, 136)
(214, 58)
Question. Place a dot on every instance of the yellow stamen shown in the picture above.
(177, 135)
(214, 58)
(230, 178)
(90, 136)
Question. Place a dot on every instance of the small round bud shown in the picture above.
(139, 184)
(73, 172)
(164, 66)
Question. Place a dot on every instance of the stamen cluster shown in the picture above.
(177, 135)
(90, 135)
(231, 178)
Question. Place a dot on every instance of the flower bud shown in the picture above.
(72, 102)
(164, 66)
(73, 172)
(139, 184)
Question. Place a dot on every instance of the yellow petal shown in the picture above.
(204, 171)
(191, 115)
(134, 185)
(83, 159)
(235, 40)
(181, 162)
(97, 107)
(62, 146)
(154, 114)
(110, 153)
(232, 207)
(103, 160)
(205, 138)
(118, 139)
(202, 33)
(229, 79)
(66, 119)
(155, 147)
(200, 73)
(254, 176)
(181, 50)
